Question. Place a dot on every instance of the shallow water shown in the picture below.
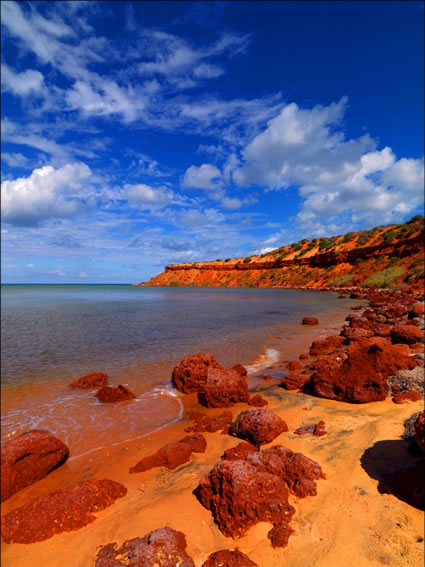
(53, 334)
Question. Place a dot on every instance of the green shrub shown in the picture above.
(414, 219)
(416, 274)
(246, 260)
(417, 261)
(388, 236)
(174, 283)
(330, 268)
(343, 279)
(227, 259)
(263, 277)
(297, 247)
(348, 237)
(392, 261)
(359, 260)
(218, 260)
(384, 278)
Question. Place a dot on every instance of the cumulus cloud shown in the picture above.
(307, 149)
(206, 176)
(46, 193)
(147, 196)
(22, 84)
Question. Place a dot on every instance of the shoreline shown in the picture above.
(325, 525)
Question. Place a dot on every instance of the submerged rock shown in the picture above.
(173, 454)
(28, 458)
(63, 511)
(93, 380)
(223, 388)
(163, 547)
(310, 321)
(110, 395)
(190, 374)
(258, 426)
(227, 558)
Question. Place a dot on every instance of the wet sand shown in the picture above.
(349, 523)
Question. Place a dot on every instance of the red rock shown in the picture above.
(359, 374)
(356, 334)
(93, 380)
(326, 346)
(406, 334)
(110, 395)
(190, 374)
(223, 388)
(227, 558)
(293, 366)
(416, 311)
(317, 429)
(239, 452)
(303, 356)
(163, 547)
(241, 493)
(420, 430)
(173, 454)
(409, 396)
(310, 321)
(202, 422)
(258, 426)
(358, 322)
(257, 401)
(268, 377)
(417, 347)
(63, 511)
(240, 369)
(29, 458)
(294, 381)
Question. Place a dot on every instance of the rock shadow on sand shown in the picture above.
(391, 463)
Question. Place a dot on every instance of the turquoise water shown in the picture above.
(53, 334)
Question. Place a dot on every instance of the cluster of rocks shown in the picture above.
(106, 394)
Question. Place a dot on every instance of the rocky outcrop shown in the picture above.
(63, 511)
(359, 373)
(294, 381)
(29, 458)
(310, 321)
(164, 547)
(240, 493)
(419, 426)
(257, 401)
(201, 422)
(406, 334)
(190, 374)
(223, 388)
(173, 454)
(93, 380)
(293, 366)
(110, 395)
(326, 346)
(318, 429)
(258, 426)
(227, 558)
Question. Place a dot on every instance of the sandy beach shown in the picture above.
(350, 522)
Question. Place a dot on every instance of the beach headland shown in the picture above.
(358, 516)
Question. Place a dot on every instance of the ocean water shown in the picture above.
(53, 334)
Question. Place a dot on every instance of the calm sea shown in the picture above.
(53, 334)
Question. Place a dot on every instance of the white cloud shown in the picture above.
(22, 84)
(46, 193)
(147, 196)
(83, 274)
(14, 159)
(206, 176)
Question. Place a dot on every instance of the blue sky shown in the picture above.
(137, 134)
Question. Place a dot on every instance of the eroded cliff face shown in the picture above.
(390, 256)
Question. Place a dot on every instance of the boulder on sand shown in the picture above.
(294, 381)
(326, 346)
(202, 422)
(227, 558)
(258, 426)
(63, 511)
(163, 547)
(257, 401)
(28, 458)
(223, 388)
(191, 373)
(310, 321)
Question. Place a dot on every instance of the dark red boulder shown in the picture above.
(416, 311)
(28, 458)
(359, 374)
(406, 334)
(190, 374)
(173, 454)
(420, 430)
(257, 401)
(110, 395)
(353, 335)
(409, 396)
(310, 321)
(258, 426)
(63, 511)
(93, 380)
(293, 366)
(202, 422)
(163, 547)
(223, 388)
(239, 452)
(227, 558)
(326, 346)
(240, 369)
(294, 381)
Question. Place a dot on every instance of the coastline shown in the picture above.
(329, 528)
